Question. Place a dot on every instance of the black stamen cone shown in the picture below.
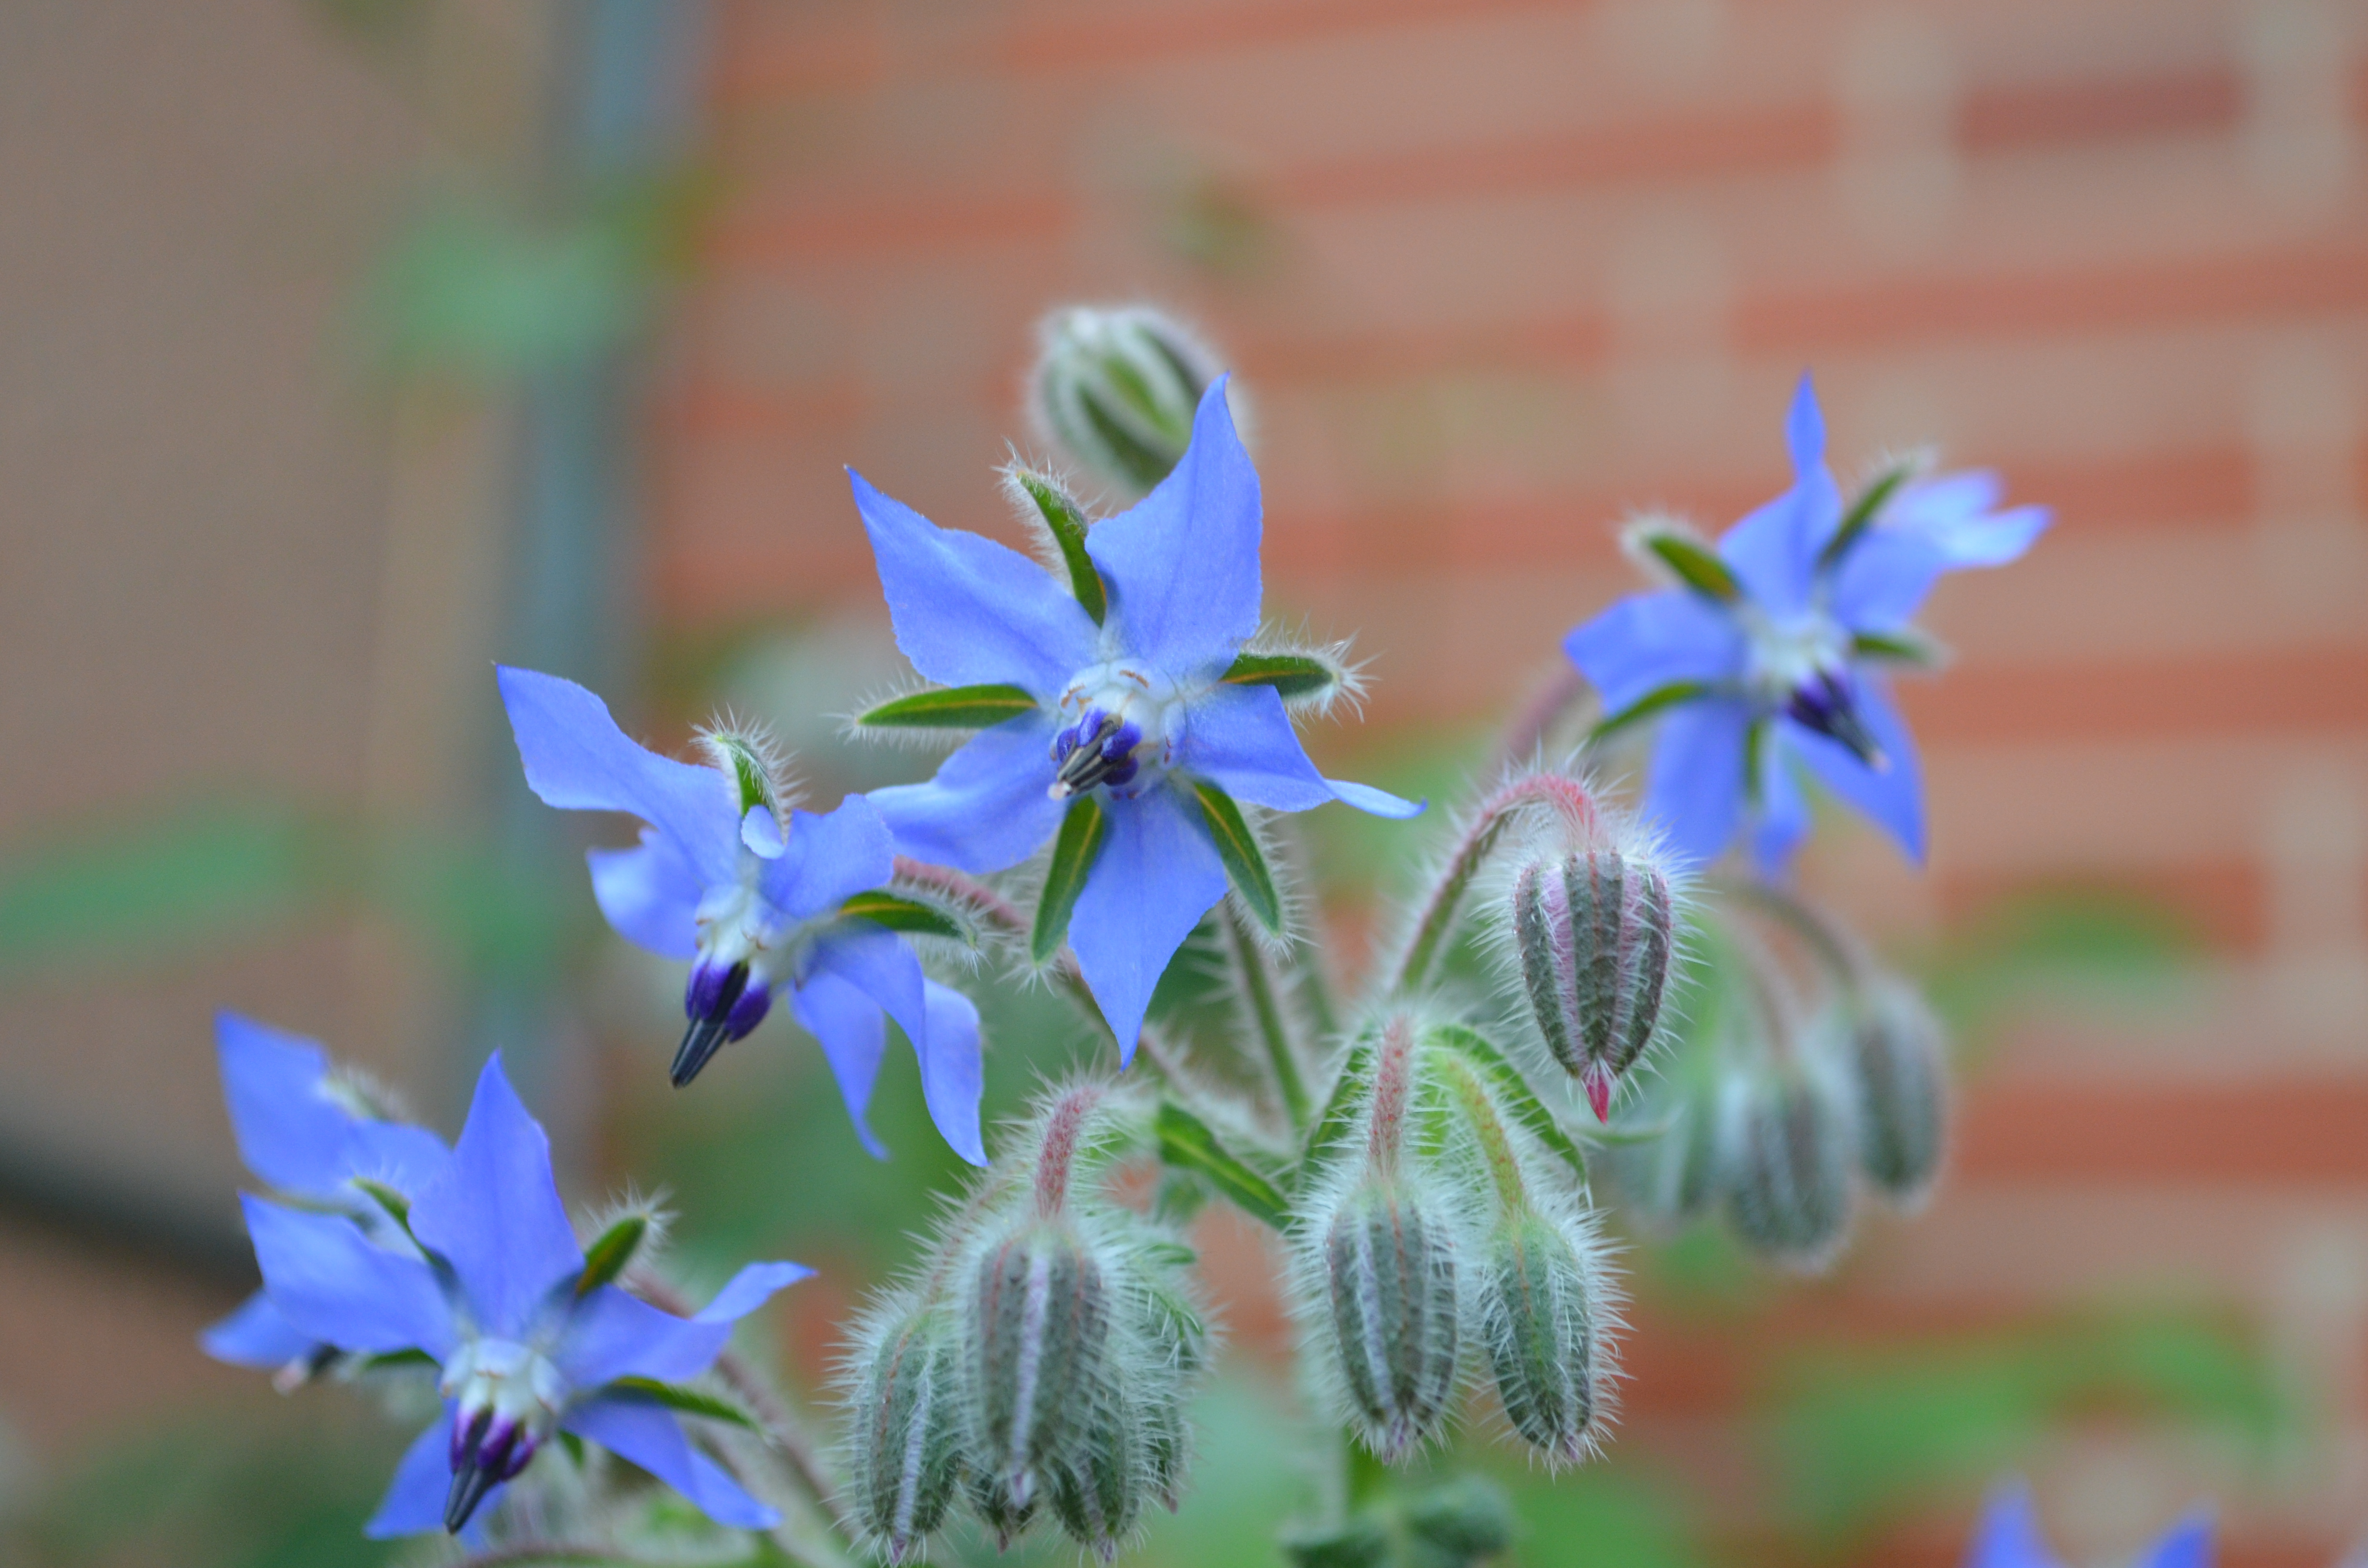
(1827, 707)
(710, 1030)
(469, 1489)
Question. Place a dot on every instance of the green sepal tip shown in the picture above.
(1237, 847)
(1066, 522)
(1695, 563)
(949, 708)
(1658, 700)
(683, 1401)
(1296, 676)
(906, 914)
(1083, 830)
(611, 1253)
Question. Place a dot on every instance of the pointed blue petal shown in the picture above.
(1694, 791)
(258, 1334)
(2008, 1535)
(1782, 820)
(1884, 578)
(1804, 427)
(614, 1334)
(760, 831)
(415, 1502)
(853, 1033)
(969, 611)
(1955, 511)
(290, 1133)
(1378, 802)
(403, 1157)
(830, 858)
(1182, 563)
(650, 894)
(2189, 1545)
(1647, 641)
(494, 1213)
(1241, 739)
(952, 1071)
(578, 759)
(1894, 795)
(1157, 876)
(648, 1434)
(333, 1285)
(987, 807)
(1774, 550)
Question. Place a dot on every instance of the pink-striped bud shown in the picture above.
(1040, 1321)
(1593, 931)
(1902, 1077)
(1390, 1265)
(1788, 1138)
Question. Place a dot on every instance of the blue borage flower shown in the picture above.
(751, 894)
(2008, 1537)
(1124, 720)
(314, 1139)
(526, 1343)
(1769, 655)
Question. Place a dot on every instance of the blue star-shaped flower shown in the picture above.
(497, 1302)
(2008, 1537)
(754, 903)
(1131, 710)
(310, 1139)
(1769, 655)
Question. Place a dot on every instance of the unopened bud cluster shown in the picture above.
(1116, 389)
(1444, 1247)
(1041, 1363)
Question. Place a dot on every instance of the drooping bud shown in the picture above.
(1537, 1315)
(1390, 1278)
(1787, 1143)
(1899, 1069)
(1593, 931)
(1464, 1521)
(1362, 1542)
(1117, 389)
(1038, 1327)
(905, 1451)
(1666, 1181)
(507, 1399)
(1098, 1486)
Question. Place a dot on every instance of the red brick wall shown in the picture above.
(1501, 270)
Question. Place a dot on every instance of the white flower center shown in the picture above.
(1124, 724)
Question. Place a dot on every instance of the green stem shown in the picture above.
(1495, 1144)
(1566, 798)
(1845, 961)
(1261, 1002)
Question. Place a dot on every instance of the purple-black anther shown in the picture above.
(723, 1006)
(1824, 703)
(713, 989)
(747, 1012)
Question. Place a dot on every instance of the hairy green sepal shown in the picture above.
(610, 1255)
(1863, 512)
(950, 708)
(1237, 847)
(685, 1401)
(1083, 831)
(909, 914)
(1067, 524)
(1696, 565)
(1512, 1089)
(1296, 676)
(1657, 700)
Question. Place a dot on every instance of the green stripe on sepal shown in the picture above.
(1083, 831)
(1863, 512)
(1067, 524)
(1657, 700)
(1519, 1100)
(1237, 847)
(397, 1360)
(683, 1401)
(1186, 1142)
(1901, 645)
(1294, 676)
(1330, 1128)
(397, 1206)
(1696, 565)
(950, 708)
(909, 914)
(610, 1255)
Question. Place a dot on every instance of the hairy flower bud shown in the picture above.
(1666, 1181)
(1389, 1267)
(1537, 1316)
(1593, 931)
(1118, 389)
(906, 1454)
(1097, 1488)
(1899, 1070)
(1787, 1143)
(1463, 1521)
(1039, 1329)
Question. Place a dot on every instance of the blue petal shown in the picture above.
(1804, 427)
(1647, 641)
(415, 1501)
(1378, 802)
(953, 1072)
(1884, 578)
(969, 611)
(1695, 792)
(256, 1336)
(1944, 524)
(1774, 550)
(760, 831)
(333, 1285)
(2189, 1545)
(1157, 876)
(494, 1214)
(650, 894)
(853, 1033)
(577, 759)
(613, 1334)
(2008, 1535)
(1240, 738)
(830, 858)
(1182, 563)
(290, 1133)
(987, 807)
(1782, 820)
(648, 1434)
(1893, 796)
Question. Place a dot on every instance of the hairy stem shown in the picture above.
(1565, 798)
(1262, 1003)
(1844, 959)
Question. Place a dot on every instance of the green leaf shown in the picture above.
(950, 708)
(1083, 832)
(574, 1447)
(395, 1360)
(1902, 645)
(1067, 524)
(1645, 707)
(901, 913)
(608, 1257)
(398, 1206)
(687, 1400)
(1294, 676)
(1186, 1142)
(1513, 1089)
(1237, 847)
(1863, 510)
(1339, 1111)
(1696, 565)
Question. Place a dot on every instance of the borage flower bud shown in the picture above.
(1389, 1268)
(1899, 1068)
(1039, 1331)
(1787, 1143)
(1463, 1521)
(906, 1450)
(1593, 930)
(1097, 1491)
(1117, 389)
(1537, 1314)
